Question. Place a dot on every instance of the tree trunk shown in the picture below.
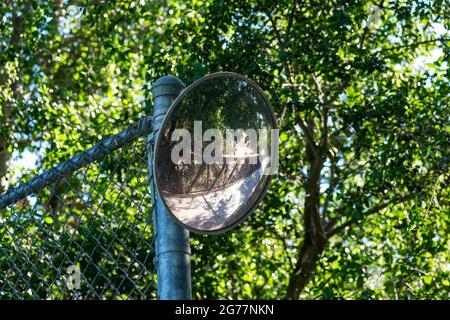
(305, 267)
(315, 240)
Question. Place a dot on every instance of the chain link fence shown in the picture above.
(83, 230)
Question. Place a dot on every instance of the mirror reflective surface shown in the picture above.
(212, 157)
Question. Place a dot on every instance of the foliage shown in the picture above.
(363, 189)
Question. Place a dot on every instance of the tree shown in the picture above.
(363, 129)
(362, 103)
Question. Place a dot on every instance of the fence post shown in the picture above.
(173, 265)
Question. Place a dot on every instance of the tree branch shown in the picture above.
(373, 210)
(306, 130)
(308, 135)
(330, 191)
(291, 19)
(319, 87)
(283, 241)
(416, 44)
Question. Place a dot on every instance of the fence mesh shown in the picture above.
(86, 234)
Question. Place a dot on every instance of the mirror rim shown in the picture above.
(166, 119)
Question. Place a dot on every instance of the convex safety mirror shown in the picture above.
(215, 153)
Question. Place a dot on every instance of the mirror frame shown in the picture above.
(167, 117)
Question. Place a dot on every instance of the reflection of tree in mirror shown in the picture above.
(219, 103)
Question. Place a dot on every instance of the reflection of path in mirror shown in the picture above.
(213, 210)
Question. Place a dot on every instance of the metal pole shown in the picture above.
(173, 264)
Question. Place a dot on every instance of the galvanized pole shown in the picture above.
(173, 264)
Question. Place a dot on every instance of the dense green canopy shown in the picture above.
(361, 205)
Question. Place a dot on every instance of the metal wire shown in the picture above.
(80, 160)
(87, 219)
